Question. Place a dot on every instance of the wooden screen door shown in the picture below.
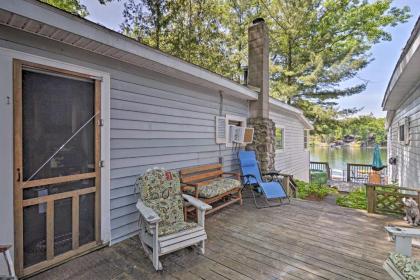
(56, 165)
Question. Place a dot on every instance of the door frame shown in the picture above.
(6, 140)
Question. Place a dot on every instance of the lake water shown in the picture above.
(339, 157)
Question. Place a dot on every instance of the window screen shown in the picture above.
(279, 138)
(402, 133)
(54, 108)
(305, 138)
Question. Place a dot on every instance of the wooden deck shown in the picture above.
(303, 240)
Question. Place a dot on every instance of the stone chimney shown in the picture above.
(258, 77)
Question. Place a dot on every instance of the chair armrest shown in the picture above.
(147, 213)
(247, 177)
(272, 173)
(196, 202)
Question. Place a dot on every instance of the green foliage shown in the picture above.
(363, 128)
(71, 6)
(315, 45)
(318, 177)
(356, 199)
(311, 190)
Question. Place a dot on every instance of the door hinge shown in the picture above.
(101, 122)
(101, 163)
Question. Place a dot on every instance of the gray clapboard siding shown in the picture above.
(181, 125)
(155, 121)
(293, 159)
(153, 117)
(406, 172)
(159, 126)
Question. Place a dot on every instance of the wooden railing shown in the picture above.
(286, 180)
(359, 173)
(322, 166)
(290, 185)
(388, 199)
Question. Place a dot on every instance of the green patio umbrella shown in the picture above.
(377, 162)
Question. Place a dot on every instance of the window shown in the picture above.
(401, 133)
(305, 139)
(279, 138)
(232, 120)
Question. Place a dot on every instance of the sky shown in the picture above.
(378, 72)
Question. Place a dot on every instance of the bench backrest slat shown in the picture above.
(200, 168)
(200, 173)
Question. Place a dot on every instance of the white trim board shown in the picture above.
(6, 139)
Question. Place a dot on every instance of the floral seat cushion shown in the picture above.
(177, 227)
(408, 267)
(161, 191)
(216, 187)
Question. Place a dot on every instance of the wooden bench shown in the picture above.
(210, 184)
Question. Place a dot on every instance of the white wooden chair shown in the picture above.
(162, 226)
(5, 250)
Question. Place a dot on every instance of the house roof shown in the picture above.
(280, 106)
(406, 74)
(47, 21)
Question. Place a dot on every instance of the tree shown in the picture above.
(71, 6)
(317, 44)
(189, 29)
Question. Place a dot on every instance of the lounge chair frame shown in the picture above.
(246, 179)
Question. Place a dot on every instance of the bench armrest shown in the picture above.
(147, 213)
(196, 202)
(236, 175)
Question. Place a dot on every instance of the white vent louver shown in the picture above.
(220, 130)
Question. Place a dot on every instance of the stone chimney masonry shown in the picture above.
(258, 66)
(258, 76)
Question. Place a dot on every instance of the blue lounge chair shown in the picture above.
(273, 191)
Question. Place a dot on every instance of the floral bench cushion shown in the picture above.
(216, 187)
(408, 267)
(161, 191)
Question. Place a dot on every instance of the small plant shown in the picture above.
(312, 191)
(356, 199)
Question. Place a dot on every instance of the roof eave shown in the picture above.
(411, 48)
(158, 60)
(277, 104)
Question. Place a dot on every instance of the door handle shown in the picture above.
(18, 174)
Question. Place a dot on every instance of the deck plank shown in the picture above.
(300, 241)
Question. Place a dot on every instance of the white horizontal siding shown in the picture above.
(155, 121)
(407, 170)
(293, 159)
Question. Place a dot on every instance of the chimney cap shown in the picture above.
(258, 20)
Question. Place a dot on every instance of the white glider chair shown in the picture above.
(162, 226)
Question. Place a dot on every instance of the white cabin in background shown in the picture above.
(402, 103)
(292, 139)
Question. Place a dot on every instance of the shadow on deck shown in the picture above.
(303, 240)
